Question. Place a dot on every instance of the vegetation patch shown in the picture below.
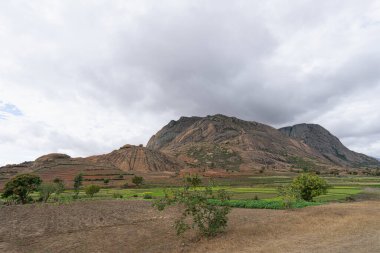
(208, 218)
(300, 163)
(215, 156)
(262, 204)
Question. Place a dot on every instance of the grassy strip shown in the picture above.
(262, 204)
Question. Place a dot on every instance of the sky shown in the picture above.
(86, 77)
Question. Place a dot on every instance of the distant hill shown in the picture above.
(125, 161)
(214, 145)
(328, 145)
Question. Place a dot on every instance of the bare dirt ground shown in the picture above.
(134, 226)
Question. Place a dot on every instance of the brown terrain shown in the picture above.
(215, 146)
(229, 144)
(115, 166)
(134, 226)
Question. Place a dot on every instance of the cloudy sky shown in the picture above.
(85, 77)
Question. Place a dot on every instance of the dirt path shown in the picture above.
(133, 226)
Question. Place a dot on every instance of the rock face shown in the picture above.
(139, 159)
(170, 132)
(228, 143)
(328, 145)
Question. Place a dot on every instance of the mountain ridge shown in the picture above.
(327, 144)
(215, 143)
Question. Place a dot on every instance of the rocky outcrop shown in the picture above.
(328, 145)
(52, 157)
(169, 132)
(139, 159)
(222, 142)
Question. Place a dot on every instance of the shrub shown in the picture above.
(106, 180)
(78, 180)
(147, 195)
(308, 186)
(21, 186)
(137, 180)
(45, 190)
(209, 218)
(117, 195)
(289, 196)
(125, 186)
(193, 180)
(90, 190)
(60, 186)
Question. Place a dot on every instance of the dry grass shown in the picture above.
(133, 226)
(352, 227)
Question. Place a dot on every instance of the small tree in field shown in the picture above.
(137, 180)
(21, 186)
(78, 180)
(60, 186)
(194, 201)
(91, 190)
(309, 186)
(193, 180)
(288, 195)
(45, 190)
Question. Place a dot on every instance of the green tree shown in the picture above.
(208, 218)
(138, 180)
(309, 186)
(106, 180)
(21, 186)
(78, 180)
(288, 195)
(45, 190)
(91, 189)
(193, 180)
(60, 186)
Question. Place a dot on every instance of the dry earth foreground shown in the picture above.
(134, 226)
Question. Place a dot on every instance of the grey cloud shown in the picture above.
(274, 62)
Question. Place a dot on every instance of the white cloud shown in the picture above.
(89, 76)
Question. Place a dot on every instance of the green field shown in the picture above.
(263, 194)
(267, 196)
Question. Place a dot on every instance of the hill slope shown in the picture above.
(114, 166)
(327, 144)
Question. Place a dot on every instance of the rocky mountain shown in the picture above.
(213, 144)
(328, 145)
(230, 144)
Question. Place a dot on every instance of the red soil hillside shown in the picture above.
(115, 166)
